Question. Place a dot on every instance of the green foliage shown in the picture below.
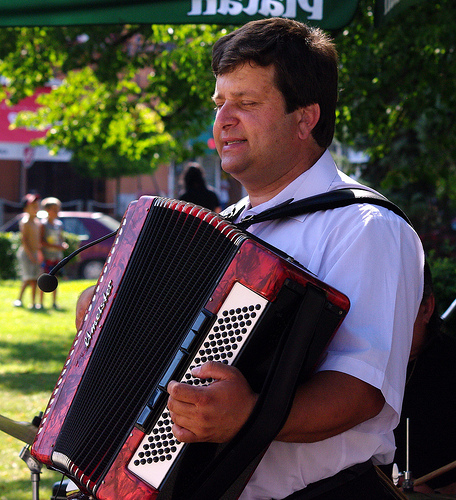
(73, 241)
(397, 104)
(29, 58)
(111, 134)
(132, 97)
(9, 243)
(71, 268)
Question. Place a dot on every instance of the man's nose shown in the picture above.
(225, 116)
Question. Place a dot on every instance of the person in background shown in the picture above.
(29, 254)
(52, 241)
(429, 400)
(196, 190)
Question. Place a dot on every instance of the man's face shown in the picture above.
(256, 139)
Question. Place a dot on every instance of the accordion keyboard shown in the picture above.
(234, 323)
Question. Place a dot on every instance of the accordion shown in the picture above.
(181, 286)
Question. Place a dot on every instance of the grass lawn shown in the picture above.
(33, 348)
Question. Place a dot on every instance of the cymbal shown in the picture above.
(24, 431)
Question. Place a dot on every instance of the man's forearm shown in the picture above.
(329, 404)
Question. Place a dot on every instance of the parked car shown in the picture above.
(88, 226)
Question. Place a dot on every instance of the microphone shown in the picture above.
(48, 282)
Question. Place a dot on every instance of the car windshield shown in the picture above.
(75, 226)
(108, 221)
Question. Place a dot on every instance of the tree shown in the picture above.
(397, 103)
(396, 100)
(132, 96)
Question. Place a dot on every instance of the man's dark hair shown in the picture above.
(305, 61)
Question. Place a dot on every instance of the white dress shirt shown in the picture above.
(376, 259)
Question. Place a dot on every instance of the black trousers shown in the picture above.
(360, 482)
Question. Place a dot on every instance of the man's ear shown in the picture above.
(308, 118)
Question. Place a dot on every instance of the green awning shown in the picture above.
(328, 14)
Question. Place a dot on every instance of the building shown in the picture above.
(25, 168)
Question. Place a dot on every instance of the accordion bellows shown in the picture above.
(181, 286)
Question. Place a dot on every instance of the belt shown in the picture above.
(316, 489)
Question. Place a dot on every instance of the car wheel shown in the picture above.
(91, 269)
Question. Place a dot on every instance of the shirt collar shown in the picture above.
(315, 180)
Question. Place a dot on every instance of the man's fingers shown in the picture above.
(184, 435)
(82, 305)
(213, 412)
(185, 393)
(184, 410)
(214, 370)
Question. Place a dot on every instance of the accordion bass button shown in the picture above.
(144, 419)
(156, 398)
(147, 417)
(199, 327)
(191, 336)
(172, 370)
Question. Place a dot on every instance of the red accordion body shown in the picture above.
(181, 286)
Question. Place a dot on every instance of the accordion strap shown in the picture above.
(325, 201)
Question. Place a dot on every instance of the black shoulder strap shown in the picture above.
(325, 201)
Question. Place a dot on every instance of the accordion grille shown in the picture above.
(169, 278)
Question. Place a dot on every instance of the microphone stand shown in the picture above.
(35, 470)
(408, 481)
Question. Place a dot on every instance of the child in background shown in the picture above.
(29, 253)
(52, 241)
